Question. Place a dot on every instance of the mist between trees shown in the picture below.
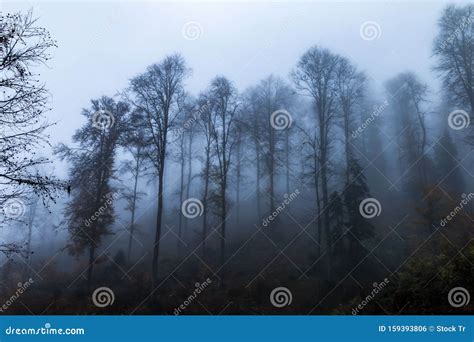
(320, 181)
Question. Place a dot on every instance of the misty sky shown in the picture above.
(103, 45)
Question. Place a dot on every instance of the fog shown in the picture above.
(276, 206)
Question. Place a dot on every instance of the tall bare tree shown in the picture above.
(408, 100)
(205, 122)
(158, 93)
(315, 76)
(252, 121)
(271, 95)
(454, 47)
(350, 87)
(135, 143)
(224, 100)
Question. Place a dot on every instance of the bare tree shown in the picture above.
(185, 138)
(271, 96)
(181, 161)
(408, 98)
(224, 108)
(311, 161)
(23, 104)
(252, 121)
(315, 76)
(454, 47)
(189, 134)
(136, 145)
(205, 122)
(158, 94)
(238, 168)
(350, 90)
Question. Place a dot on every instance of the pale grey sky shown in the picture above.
(103, 45)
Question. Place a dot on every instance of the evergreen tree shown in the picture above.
(359, 228)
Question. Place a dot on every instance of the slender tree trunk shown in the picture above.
(134, 202)
(347, 147)
(259, 208)
(90, 266)
(318, 203)
(287, 160)
(204, 200)
(327, 228)
(238, 181)
(223, 170)
(181, 194)
(324, 188)
(31, 219)
(94, 227)
(272, 167)
(223, 222)
(159, 214)
(190, 171)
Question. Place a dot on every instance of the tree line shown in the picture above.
(312, 129)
